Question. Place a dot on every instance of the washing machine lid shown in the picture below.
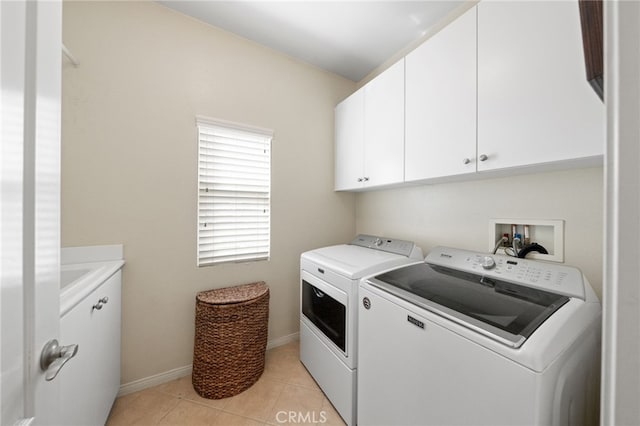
(504, 311)
(354, 262)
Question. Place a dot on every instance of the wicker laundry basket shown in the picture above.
(230, 339)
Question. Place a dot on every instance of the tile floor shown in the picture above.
(284, 395)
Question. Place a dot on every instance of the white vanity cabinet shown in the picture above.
(91, 380)
(534, 103)
(441, 103)
(370, 133)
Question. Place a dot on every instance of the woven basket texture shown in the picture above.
(230, 339)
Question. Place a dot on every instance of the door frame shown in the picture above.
(621, 289)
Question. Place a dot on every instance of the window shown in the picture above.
(234, 180)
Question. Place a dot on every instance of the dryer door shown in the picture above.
(326, 307)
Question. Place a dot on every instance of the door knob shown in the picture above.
(484, 157)
(466, 161)
(54, 357)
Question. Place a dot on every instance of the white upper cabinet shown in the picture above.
(349, 142)
(441, 103)
(534, 103)
(501, 87)
(384, 127)
(369, 134)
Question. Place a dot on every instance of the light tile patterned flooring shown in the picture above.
(284, 395)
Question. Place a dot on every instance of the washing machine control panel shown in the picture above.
(488, 262)
(560, 279)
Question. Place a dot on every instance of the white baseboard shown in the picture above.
(281, 341)
(176, 373)
(155, 380)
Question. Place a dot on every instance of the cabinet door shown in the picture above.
(441, 103)
(534, 105)
(90, 385)
(384, 127)
(349, 140)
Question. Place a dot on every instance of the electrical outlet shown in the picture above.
(547, 233)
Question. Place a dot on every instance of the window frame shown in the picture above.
(208, 127)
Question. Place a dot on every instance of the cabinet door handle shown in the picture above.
(466, 161)
(103, 301)
(484, 157)
(366, 179)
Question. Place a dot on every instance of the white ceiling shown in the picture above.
(349, 38)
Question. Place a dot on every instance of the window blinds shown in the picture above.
(234, 179)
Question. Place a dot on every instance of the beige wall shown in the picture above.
(129, 172)
(129, 163)
(458, 214)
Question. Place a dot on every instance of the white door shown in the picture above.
(384, 127)
(30, 70)
(350, 142)
(534, 103)
(440, 84)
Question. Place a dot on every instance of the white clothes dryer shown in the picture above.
(329, 307)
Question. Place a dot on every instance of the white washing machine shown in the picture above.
(329, 279)
(470, 339)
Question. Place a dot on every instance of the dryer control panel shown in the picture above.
(390, 245)
(556, 278)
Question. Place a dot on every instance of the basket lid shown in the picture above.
(230, 295)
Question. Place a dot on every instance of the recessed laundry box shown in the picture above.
(230, 339)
